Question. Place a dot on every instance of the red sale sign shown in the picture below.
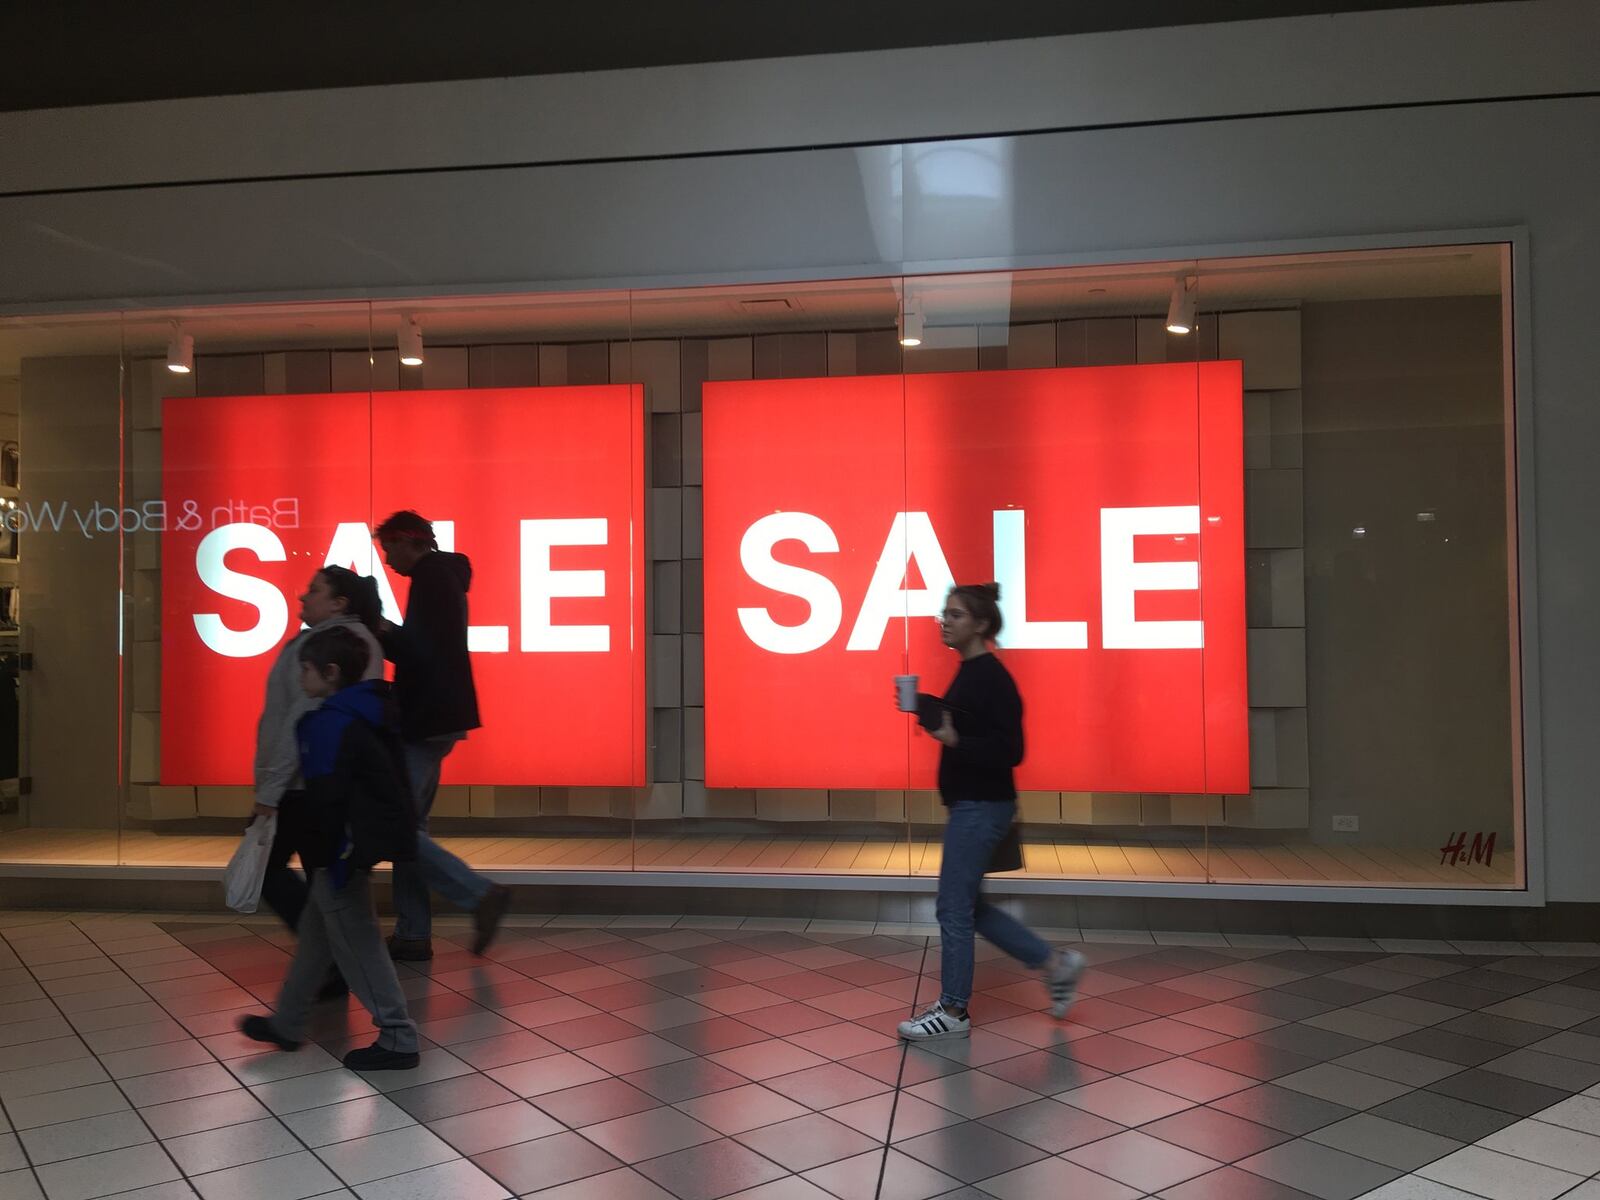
(542, 488)
(1109, 504)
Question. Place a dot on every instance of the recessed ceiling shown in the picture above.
(991, 299)
(78, 52)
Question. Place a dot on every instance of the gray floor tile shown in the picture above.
(1320, 1170)
(1353, 1089)
(740, 1109)
(973, 1094)
(1124, 1101)
(1052, 1126)
(712, 1170)
(545, 1162)
(312, 1091)
(826, 1086)
(447, 1097)
(1279, 1108)
(107, 1173)
(649, 1134)
(1192, 1080)
(1309, 1041)
(1568, 1074)
(1489, 1088)
(552, 1073)
(1449, 1047)
(24, 1185)
(380, 1155)
(1108, 1052)
(1552, 1145)
(1380, 1140)
(904, 1178)
(458, 1180)
(492, 1128)
(351, 1119)
(182, 1084)
(1055, 1177)
(231, 1146)
(970, 1151)
(806, 1142)
(49, 1108)
(1491, 1028)
(1044, 1073)
(16, 1086)
(73, 1139)
(1215, 1134)
(627, 1184)
(1400, 1066)
(693, 1076)
(1141, 1161)
(1446, 1116)
(1230, 1183)
(1580, 1112)
(591, 1103)
(1498, 1176)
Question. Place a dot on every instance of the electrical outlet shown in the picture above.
(1347, 824)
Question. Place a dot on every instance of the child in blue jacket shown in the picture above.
(358, 813)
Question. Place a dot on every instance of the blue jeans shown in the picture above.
(973, 828)
(436, 868)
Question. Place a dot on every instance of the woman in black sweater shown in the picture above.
(981, 734)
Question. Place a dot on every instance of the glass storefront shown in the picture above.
(1259, 578)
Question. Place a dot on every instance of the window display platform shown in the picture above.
(1288, 861)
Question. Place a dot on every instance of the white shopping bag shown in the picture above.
(241, 882)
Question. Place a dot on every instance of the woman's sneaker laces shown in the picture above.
(934, 1024)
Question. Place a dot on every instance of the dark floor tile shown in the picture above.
(1161, 1001)
(1282, 1005)
(1444, 1115)
(1307, 962)
(1215, 1134)
(685, 1080)
(1043, 1072)
(505, 994)
(1253, 1059)
(879, 946)
(707, 1037)
(1144, 970)
(687, 983)
(1051, 1125)
(1230, 1183)
(1320, 1170)
(1490, 1088)
(1503, 982)
(1309, 1041)
(711, 1170)
(1571, 1074)
(447, 1097)
(1111, 1053)
(1330, 991)
(1280, 1108)
(806, 1142)
(584, 1032)
(1448, 1047)
(614, 997)
(1392, 1143)
(1190, 958)
(827, 1086)
(905, 1067)
(1447, 991)
(1490, 1028)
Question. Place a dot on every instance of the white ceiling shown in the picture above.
(989, 299)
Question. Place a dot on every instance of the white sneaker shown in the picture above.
(1061, 975)
(934, 1024)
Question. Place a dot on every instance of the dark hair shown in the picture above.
(338, 646)
(983, 602)
(359, 592)
(407, 526)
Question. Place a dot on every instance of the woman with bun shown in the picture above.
(981, 736)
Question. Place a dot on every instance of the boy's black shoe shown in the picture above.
(333, 988)
(376, 1058)
(259, 1029)
(487, 916)
(410, 949)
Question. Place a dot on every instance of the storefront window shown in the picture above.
(1258, 578)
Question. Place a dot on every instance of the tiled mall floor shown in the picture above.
(626, 1059)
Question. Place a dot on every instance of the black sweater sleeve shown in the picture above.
(986, 710)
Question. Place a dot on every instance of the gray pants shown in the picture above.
(339, 926)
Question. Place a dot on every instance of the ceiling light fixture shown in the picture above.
(909, 326)
(410, 340)
(1185, 300)
(180, 351)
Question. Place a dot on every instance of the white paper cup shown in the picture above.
(905, 691)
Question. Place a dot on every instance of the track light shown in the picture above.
(410, 342)
(909, 327)
(1181, 309)
(180, 352)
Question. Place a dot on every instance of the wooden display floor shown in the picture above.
(771, 853)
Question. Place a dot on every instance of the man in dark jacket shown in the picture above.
(438, 706)
(356, 813)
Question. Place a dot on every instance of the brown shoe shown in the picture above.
(487, 916)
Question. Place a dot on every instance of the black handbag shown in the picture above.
(1007, 854)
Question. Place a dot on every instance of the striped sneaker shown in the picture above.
(1061, 975)
(935, 1024)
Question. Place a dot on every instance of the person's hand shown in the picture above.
(262, 810)
(946, 733)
